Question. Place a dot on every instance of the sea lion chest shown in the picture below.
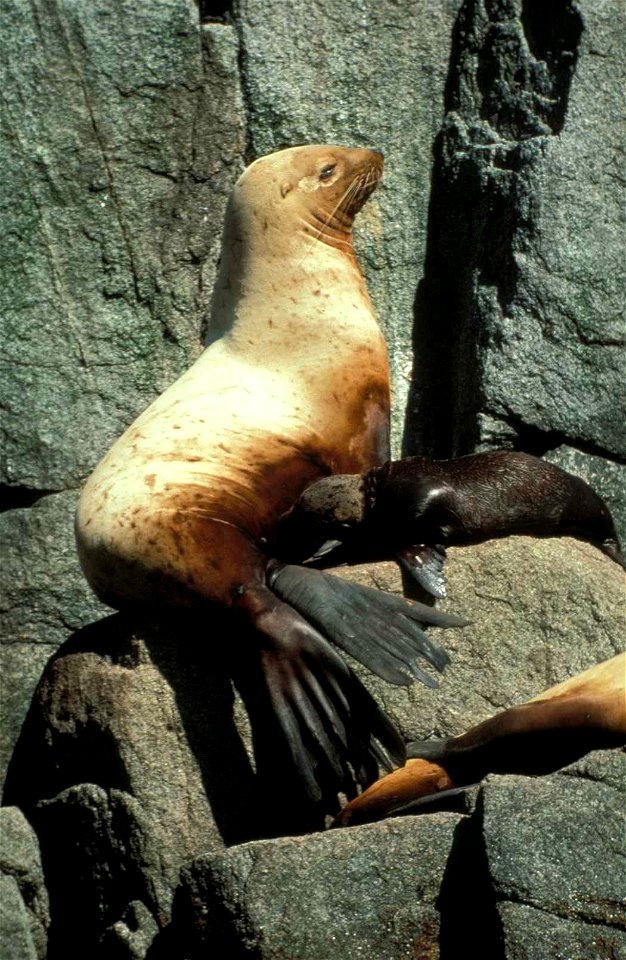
(233, 442)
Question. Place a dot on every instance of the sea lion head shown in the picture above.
(312, 190)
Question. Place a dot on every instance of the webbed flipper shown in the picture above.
(334, 730)
(382, 631)
(425, 564)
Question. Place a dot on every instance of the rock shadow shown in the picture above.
(507, 91)
(87, 709)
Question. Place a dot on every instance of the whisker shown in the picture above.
(362, 182)
(345, 198)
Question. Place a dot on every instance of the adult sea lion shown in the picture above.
(587, 712)
(414, 508)
(179, 511)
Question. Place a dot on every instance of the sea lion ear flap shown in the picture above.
(286, 187)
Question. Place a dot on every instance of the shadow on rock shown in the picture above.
(135, 758)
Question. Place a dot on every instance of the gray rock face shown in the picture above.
(102, 871)
(525, 268)
(119, 171)
(509, 876)
(353, 893)
(131, 936)
(43, 597)
(44, 594)
(15, 935)
(24, 913)
(531, 934)
(534, 831)
(556, 860)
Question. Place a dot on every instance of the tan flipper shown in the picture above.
(586, 712)
(417, 778)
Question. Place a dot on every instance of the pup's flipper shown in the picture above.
(334, 730)
(382, 631)
(612, 549)
(328, 547)
(425, 564)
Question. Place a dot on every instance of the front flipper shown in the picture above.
(333, 728)
(425, 564)
(382, 631)
(391, 795)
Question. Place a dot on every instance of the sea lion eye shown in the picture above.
(327, 171)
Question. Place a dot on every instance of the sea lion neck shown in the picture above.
(266, 233)
(273, 285)
(300, 303)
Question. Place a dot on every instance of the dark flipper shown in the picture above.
(425, 564)
(328, 547)
(334, 730)
(433, 750)
(612, 549)
(382, 631)
(454, 799)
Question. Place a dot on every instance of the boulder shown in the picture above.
(137, 756)
(372, 892)
(24, 907)
(508, 875)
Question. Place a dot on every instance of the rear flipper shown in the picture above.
(334, 730)
(425, 565)
(383, 632)
(534, 739)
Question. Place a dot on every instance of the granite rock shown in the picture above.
(24, 905)
(121, 141)
(366, 892)
(524, 273)
(138, 752)
(531, 934)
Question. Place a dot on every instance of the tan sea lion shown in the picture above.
(414, 508)
(180, 510)
(587, 712)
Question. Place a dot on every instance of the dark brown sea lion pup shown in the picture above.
(585, 713)
(416, 507)
(179, 511)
